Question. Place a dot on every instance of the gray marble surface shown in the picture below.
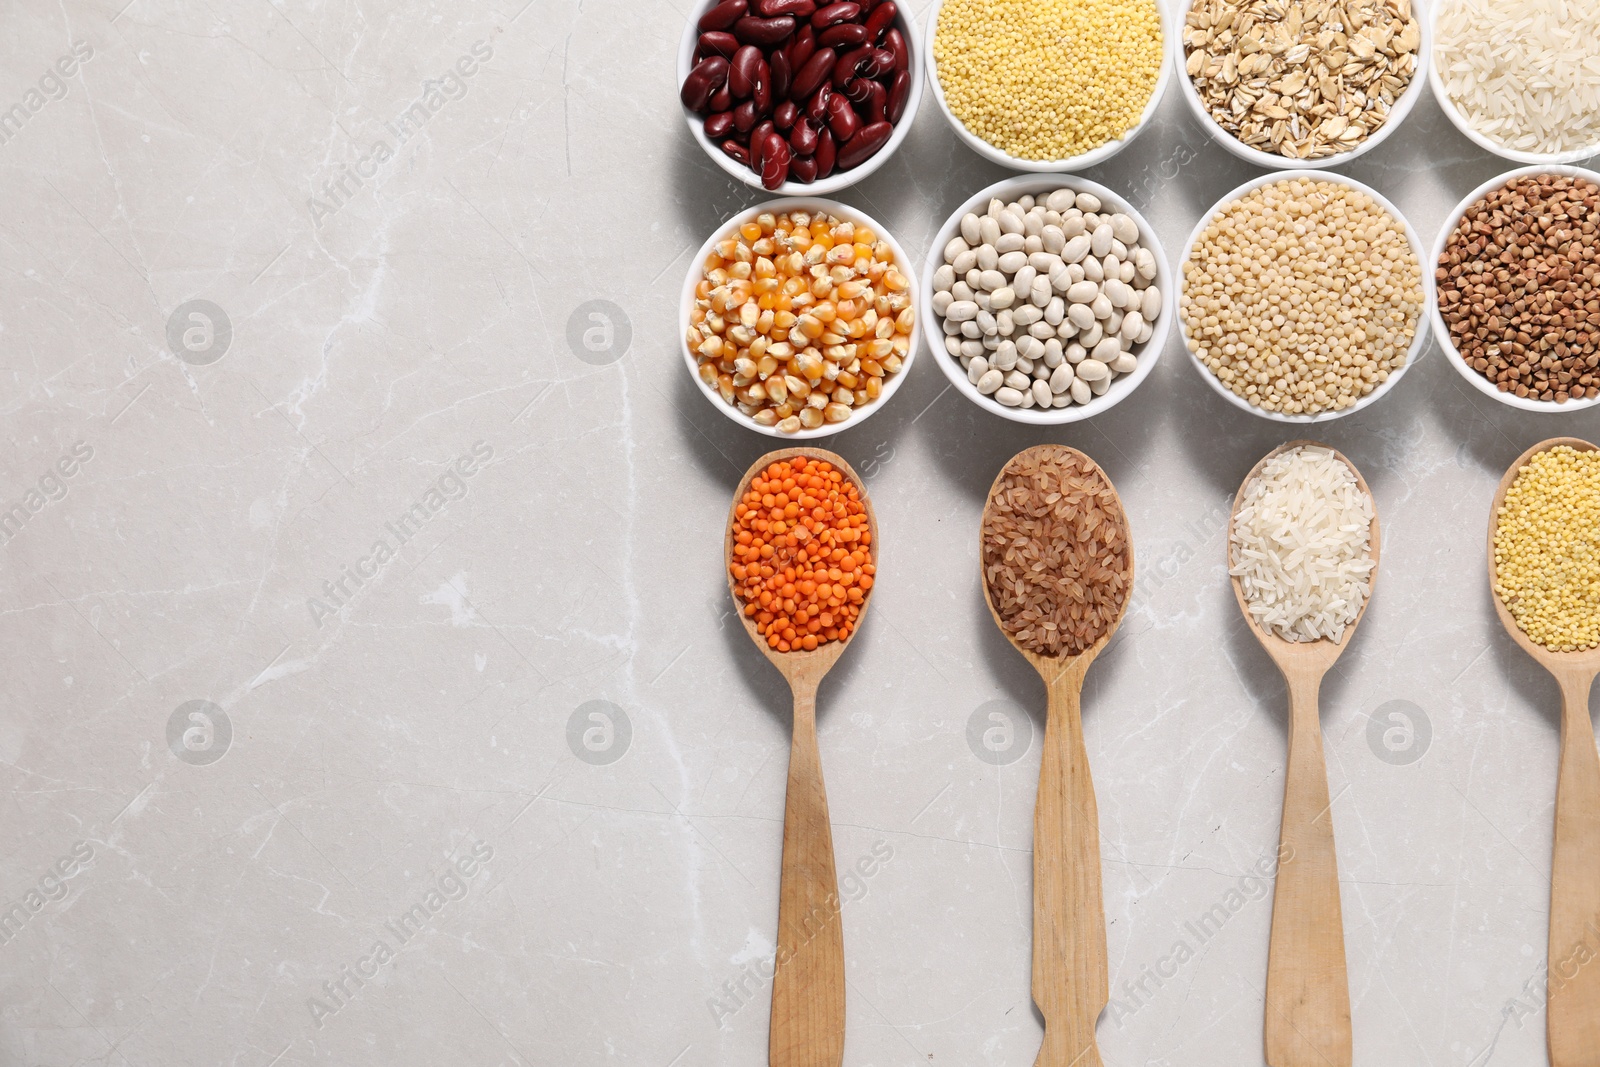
(387, 787)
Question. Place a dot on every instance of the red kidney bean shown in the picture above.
(881, 19)
(858, 90)
(813, 74)
(782, 74)
(717, 43)
(798, 8)
(803, 169)
(784, 115)
(899, 93)
(774, 161)
(759, 134)
(804, 138)
(817, 106)
(721, 100)
(834, 14)
(864, 145)
(742, 71)
(842, 119)
(703, 80)
(876, 63)
(744, 116)
(761, 89)
(895, 42)
(844, 68)
(736, 151)
(877, 109)
(718, 126)
(826, 154)
(844, 35)
(723, 15)
(764, 32)
(801, 48)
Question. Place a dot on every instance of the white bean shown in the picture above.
(942, 301)
(1061, 378)
(1054, 355)
(959, 311)
(1041, 394)
(961, 291)
(965, 261)
(970, 231)
(1002, 297)
(1008, 396)
(991, 380)
(1104, 352)
(1080, 391)
(1091, 370)
(1083, 292)
(977, 367)
(1124, 229)
(1126, 363)
(954, 248)
(1008, 242)
(1076, 249)
(1060, 200)
(1009, 221)
(1080, 314)
(1132, 324)
(952, 345)
(1017, 380)
(1088, 202)
(988, 229)
(1011, 262)
(1053, 239)
(1150, 304)
(988, 258)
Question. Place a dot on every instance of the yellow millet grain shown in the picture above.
(1302, 296)
(1048, 79)
(1547, 549)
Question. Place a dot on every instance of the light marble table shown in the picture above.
(409, 850)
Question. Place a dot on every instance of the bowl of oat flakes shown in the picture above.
(1304, 83)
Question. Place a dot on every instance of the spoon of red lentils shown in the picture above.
(801, 550)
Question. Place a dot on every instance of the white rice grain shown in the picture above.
(1302, 546)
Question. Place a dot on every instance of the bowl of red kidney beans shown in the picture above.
(800, 96)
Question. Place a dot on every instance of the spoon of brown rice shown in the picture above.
(1057, 569)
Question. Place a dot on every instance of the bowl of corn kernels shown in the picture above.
(798, 317)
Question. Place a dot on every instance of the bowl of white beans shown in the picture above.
(788, 384)
(1050, 315)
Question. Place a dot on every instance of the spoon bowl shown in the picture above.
(1308, 987)
(1071, 983)
(808, 979)
(1572, 1021)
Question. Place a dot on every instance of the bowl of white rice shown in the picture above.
(1520, 78)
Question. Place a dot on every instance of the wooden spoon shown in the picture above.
(1071, 982)
(1573, 1017)
(808, 983)
(1308, 990)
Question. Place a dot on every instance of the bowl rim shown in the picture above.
(1419, 343)
(1041, 166)
(1009, 189)
(805, 203)
(1271, 161)
(838, 179)
(1441, 332)
(1459, 121)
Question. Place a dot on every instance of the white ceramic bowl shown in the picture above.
(1124, 384)
(1441, 332)
(1459, 121)
(1006, 159)
(1418, 344)
(1271, 160)
(839, 179)
(891, 384)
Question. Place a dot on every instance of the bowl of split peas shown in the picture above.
(793, 362)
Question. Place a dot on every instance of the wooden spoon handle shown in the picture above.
(808, 983)
(1070, 983)
(1308, 991)
(1574, 976)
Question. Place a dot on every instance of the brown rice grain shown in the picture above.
(1056, 555)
